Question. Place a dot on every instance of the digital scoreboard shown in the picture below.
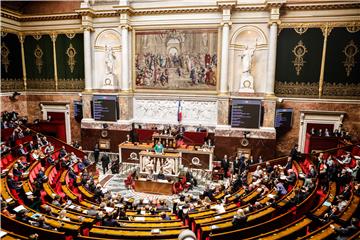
(105, 108)
(245, 113)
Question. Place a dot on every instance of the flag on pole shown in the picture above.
(179, 112)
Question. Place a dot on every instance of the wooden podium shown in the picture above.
(168, 141)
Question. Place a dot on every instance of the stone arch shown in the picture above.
(248, 34)
(108, 37)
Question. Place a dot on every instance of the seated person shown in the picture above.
(164, 216)
(159, 148)
(161, 175)
(239, 219)
(346, 232)
(49, 148)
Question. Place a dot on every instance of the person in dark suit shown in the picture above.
(345, 232)
(225, 164)
(294, 153)
(105, 160)
(96, 153)
(134, 137)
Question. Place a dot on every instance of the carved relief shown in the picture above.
(165, 111)
(350, 51)
(299, 52)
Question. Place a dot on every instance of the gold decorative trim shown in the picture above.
(3, 33)
(71, 52)
(11, 85)
(37, 36)
(41, 83)
(317, 24)
(296, 88)
(353, 27)
(301, 30)
(299, 52)
(70, 35)
(339, 89)
(5, 56)
(322, 6)
(350, 51)
(38, 53)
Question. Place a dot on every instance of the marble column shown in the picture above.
(270, 83)
(87, 59)
(224, 58)
(125, 58)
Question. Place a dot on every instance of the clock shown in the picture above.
(104, 133)
(247, 84)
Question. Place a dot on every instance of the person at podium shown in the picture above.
(159, 148)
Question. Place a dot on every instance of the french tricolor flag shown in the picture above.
(179, 112)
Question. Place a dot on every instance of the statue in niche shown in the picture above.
(247, 80)
(246, 57)
(109, 59)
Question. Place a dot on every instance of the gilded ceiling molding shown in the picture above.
(350, 25)
(323, 6)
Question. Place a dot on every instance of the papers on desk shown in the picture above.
(72, 206)
(28, 193)
(119, 205)
(36, 216)
(109, 209)
(2, 233)
(162, 181)
(19, 208)
(139, 218)
(327, 204)
(214, 227)
(142, 212)
(271, 196)
(155, 231)
(217, 217)
(8, 200)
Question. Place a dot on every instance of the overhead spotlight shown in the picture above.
(13, 96)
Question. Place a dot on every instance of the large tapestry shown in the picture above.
(181, 59)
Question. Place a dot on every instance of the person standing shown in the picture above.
(96, 153)
(105, 160)
(225, 164)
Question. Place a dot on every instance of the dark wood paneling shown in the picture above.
(229, 146)
(89, 137)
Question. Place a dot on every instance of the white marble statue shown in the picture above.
(246, 57)
(109, 59)
(247, 80)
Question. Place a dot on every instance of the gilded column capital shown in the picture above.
(53, 36)
(21, 37)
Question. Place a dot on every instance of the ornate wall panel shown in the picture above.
(166, 111)
(176, 59)
(342, 69)
(11, 67)
(39, 59)
(70, 61)
(298, 63)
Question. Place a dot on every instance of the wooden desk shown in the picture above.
(167, 141)
(190, 157)
(153, 187)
